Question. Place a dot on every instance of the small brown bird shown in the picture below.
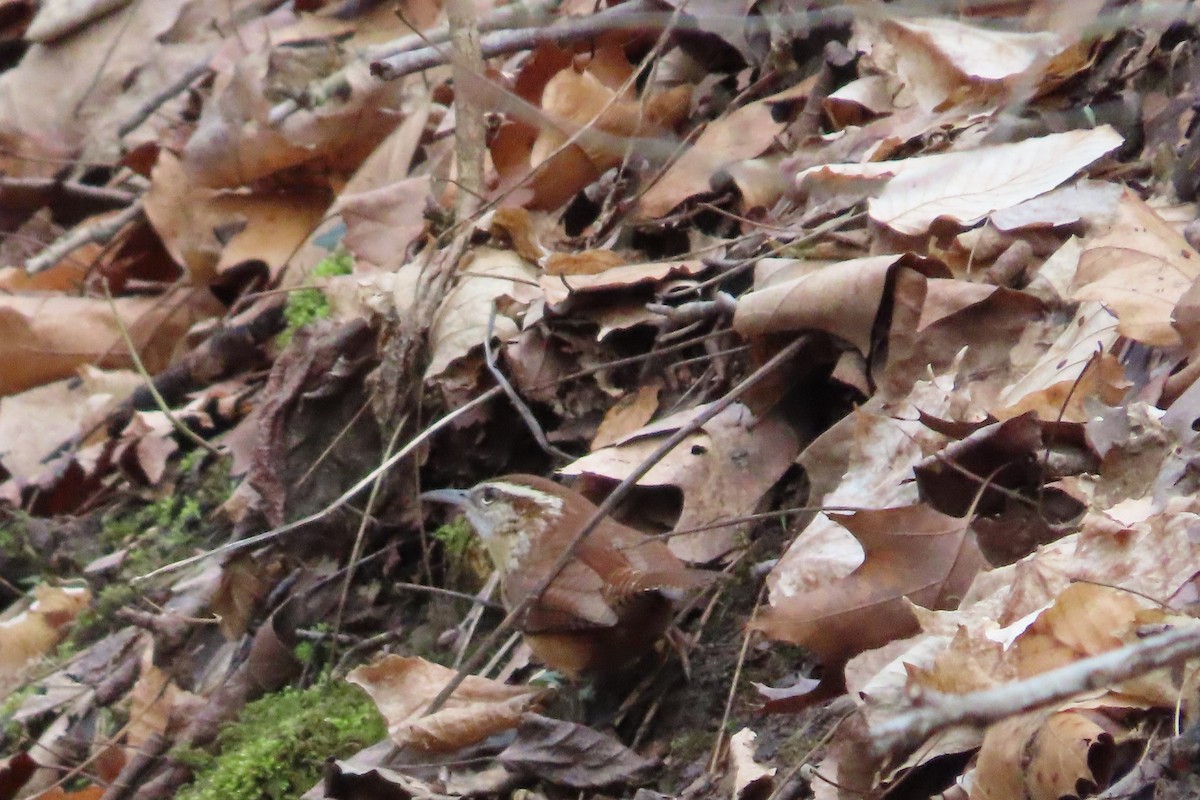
(608, 606)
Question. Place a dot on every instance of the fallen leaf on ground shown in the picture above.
(403, 687)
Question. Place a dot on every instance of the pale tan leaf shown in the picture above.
(627, 415)
(492, 277)
(1139, 269)
(941, 60)
(403, 687)
(63, 409)
(745, 133)
(966, 186)
(31, 633)
(842, 299)
(45, 337)
(713, 468)
(748, 775)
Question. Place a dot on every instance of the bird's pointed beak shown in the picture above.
(454, 497)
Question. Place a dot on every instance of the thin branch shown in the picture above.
(518, 403)
(100, 232)
(532, 13)
(934, 712)
(154, 103)
(98, 195)
(636, 16)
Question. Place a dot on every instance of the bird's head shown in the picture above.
(508, 513)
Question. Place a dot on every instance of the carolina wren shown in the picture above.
(608, 605)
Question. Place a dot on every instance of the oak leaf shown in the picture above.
(912, 553)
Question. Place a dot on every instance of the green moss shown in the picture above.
(305, 306)
(690, 745)
(278, 745)
(467, 563)
(166, 530)
(19, 559)
(457, 537)
(10, 729)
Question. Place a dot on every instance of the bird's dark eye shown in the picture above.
(487, 496)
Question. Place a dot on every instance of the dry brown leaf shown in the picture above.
(911, 553)
(966, 186)
(943, 61)
(1046, 755)
(63, 409)
(1071, 756)
(842, 299)
(403, 687)
(193, 222)
(125, 58)
(1084, 621)
(723, 471)
(573, 100)
(236, 144)
(31, 633)
(863, 461)
(493, 277)
(245, 582)
(47, 337)
(559, 287)
(586, 262)
(1076, 367)
(626, 416)
(1139, 269)
(572, 755)
(145, 444)
(745, 133)
(999, 772)
(517, 226)
(750, 779)
(852, 103)
(156, 704)
(1093, 202)
(551, 185)
(969, 663)
(382, 222)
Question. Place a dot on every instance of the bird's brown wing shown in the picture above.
(632, 563)
(574, 601)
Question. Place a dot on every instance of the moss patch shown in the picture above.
(279, 743)
(305, 306)
(153, 534)
(19, 559)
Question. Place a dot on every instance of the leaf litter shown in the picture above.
(973, 481)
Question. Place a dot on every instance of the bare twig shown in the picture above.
(361, 535)
(934, 712)
(634, 16)
(471, 622)
(470, 133)
(532, 13)
(518, 403)
(49, 187)
(101, 232)
(154, 103)
(718, 745)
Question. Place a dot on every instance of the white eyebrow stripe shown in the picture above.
(541, 498)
